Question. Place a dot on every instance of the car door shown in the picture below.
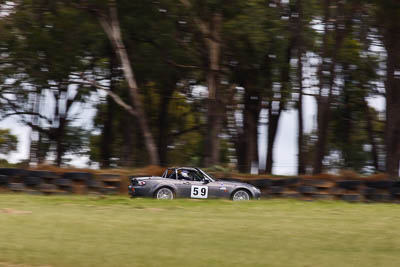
(193, 186)
(218, 189)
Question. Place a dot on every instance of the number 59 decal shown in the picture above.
(198, 191)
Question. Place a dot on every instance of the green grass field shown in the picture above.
(118, 231)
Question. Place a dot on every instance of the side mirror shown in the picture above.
(206, 181)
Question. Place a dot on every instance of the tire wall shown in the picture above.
(325, 189)
(63, 181)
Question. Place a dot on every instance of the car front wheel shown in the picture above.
(164, 193)
(241, 195)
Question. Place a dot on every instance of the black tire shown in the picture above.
(349, 185)
(63, 182)
(111, 180)
(48, 188)
(280, 182)
(109, 191)
(275, 189)
(395, 191)
(293, 181)
(380, 197)
(15, 172)
(43, 174)
(32, 181)
(351, 197)
(286, 182)
(319, 183)
(78, 176)
(291, 195)
(16, 187)
(4, 180)
(396, 184)
(94, 184)
(368, 191)
(384, 184)
(306, 189)
(261, 183)
(108, 176)
(322, 196)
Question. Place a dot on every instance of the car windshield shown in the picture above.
(206, 175)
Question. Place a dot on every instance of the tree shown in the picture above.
(208, 19)
(8, 142)
(47, 50)
(389, 26)
(338, 20)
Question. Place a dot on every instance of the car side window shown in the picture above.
(184, 175)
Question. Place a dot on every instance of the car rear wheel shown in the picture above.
(240, 195)
(164, 193)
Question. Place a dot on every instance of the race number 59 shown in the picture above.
(199, 191)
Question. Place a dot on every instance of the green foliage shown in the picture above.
(8, 142)
(48, 42)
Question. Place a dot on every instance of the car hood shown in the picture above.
(232, 183)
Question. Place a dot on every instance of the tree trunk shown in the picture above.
(322, 101)
(300, 136)
(113, 32)
(211, 34)
(127, 153)
(274, 114)
(163, 122)
(392, 130)
(59, 136)
(324, 98)
(249, 138)
(215, 107)
(214, 126)
(347, 121)
(273, 120)
(34, 135)
(107, 136)
(42, 148)
(240, 147)
(371, 136)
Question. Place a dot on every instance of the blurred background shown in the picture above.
(260, 86)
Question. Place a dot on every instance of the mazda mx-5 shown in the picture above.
(185, 182)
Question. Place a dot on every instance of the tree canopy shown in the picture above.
(186, 82)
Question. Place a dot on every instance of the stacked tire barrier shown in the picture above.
(320, 189)
(47, 182)
(65, 182)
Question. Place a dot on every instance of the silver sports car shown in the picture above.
(190, 183)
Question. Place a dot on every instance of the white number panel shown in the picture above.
(199, 191)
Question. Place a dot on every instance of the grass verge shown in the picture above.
(118, 231)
